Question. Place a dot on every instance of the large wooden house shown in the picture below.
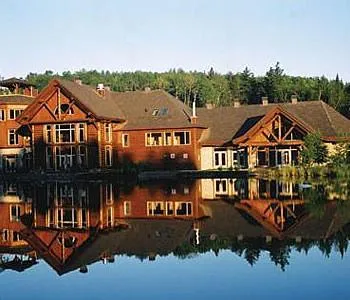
(74, 126)
(266, 135)
(15, 96)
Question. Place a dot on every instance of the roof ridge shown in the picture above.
(329, 118)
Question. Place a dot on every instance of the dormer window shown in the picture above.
(65, 109)
(160, 112)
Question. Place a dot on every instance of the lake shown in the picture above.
(209, 238)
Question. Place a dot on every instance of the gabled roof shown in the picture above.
(227, 123)
(152, 109)
(16, 99)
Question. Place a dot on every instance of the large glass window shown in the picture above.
(2, 115)
(220, 159)
(15, 213)
(108, 156)
(65, 133)
(65, 157)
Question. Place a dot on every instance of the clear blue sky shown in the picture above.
(308, 37)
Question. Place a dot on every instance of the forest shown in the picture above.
(215, 88)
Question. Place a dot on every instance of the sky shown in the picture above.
(307, 37)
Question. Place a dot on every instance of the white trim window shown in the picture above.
(155, 208)
(48, 134)
(15, 213)
(125, 140)
(108, 132)
(81, 136)
(182, 138)
(127, 208)
(2, 115)
(221, 186)
(220, 158)
(109, 193)
(154, 139)
(183, 208)
(14, 113)
(65, 157)
(65, 133)
(13, 138)
(108, 156)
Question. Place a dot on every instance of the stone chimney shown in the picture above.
(210, 105)
(265, 101)
(236, 102)
(294, 99)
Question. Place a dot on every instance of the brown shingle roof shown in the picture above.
(226, 123)
(16, 99)
(102, 107)
(10, 82)
(139, 108)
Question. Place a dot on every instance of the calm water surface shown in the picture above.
(211, 238)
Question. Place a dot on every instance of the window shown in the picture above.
(81, 159)
(48, 134)
(167, 139)
(220, 186)
(109, 193)
(12, 137)
(185, 155)
(15, 213)
(182, 138)
(183, 208)
(81, 133)
(125, 140)
(155, 112)
(65, 157)
(127, 208)
(220, 159)
(173, 191)
(65, 133)
(154, 139)
(16, 237)
(172, 155)
(234, 158)
(49, 158)
(108, 133)
(5, 235)
(155, 208)
(108, 156)
(186, 190)
(110, 216)
(2, 115)
(67, 217)
(14, 113)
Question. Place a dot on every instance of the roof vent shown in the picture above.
(294, 99)
(265, 101)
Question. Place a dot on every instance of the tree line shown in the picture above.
(215, 88)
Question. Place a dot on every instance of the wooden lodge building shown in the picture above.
(15, 96)
(72, 126)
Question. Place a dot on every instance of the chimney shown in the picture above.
(294, 99)
(209, 105)
(147, 89)
(78, 81)
(265, 101)
(194, 115)
(236, 102)
(100, 89)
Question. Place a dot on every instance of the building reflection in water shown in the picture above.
(72, 225)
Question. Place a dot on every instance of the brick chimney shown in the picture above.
(194, 113)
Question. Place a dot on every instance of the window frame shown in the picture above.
(12, 131)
